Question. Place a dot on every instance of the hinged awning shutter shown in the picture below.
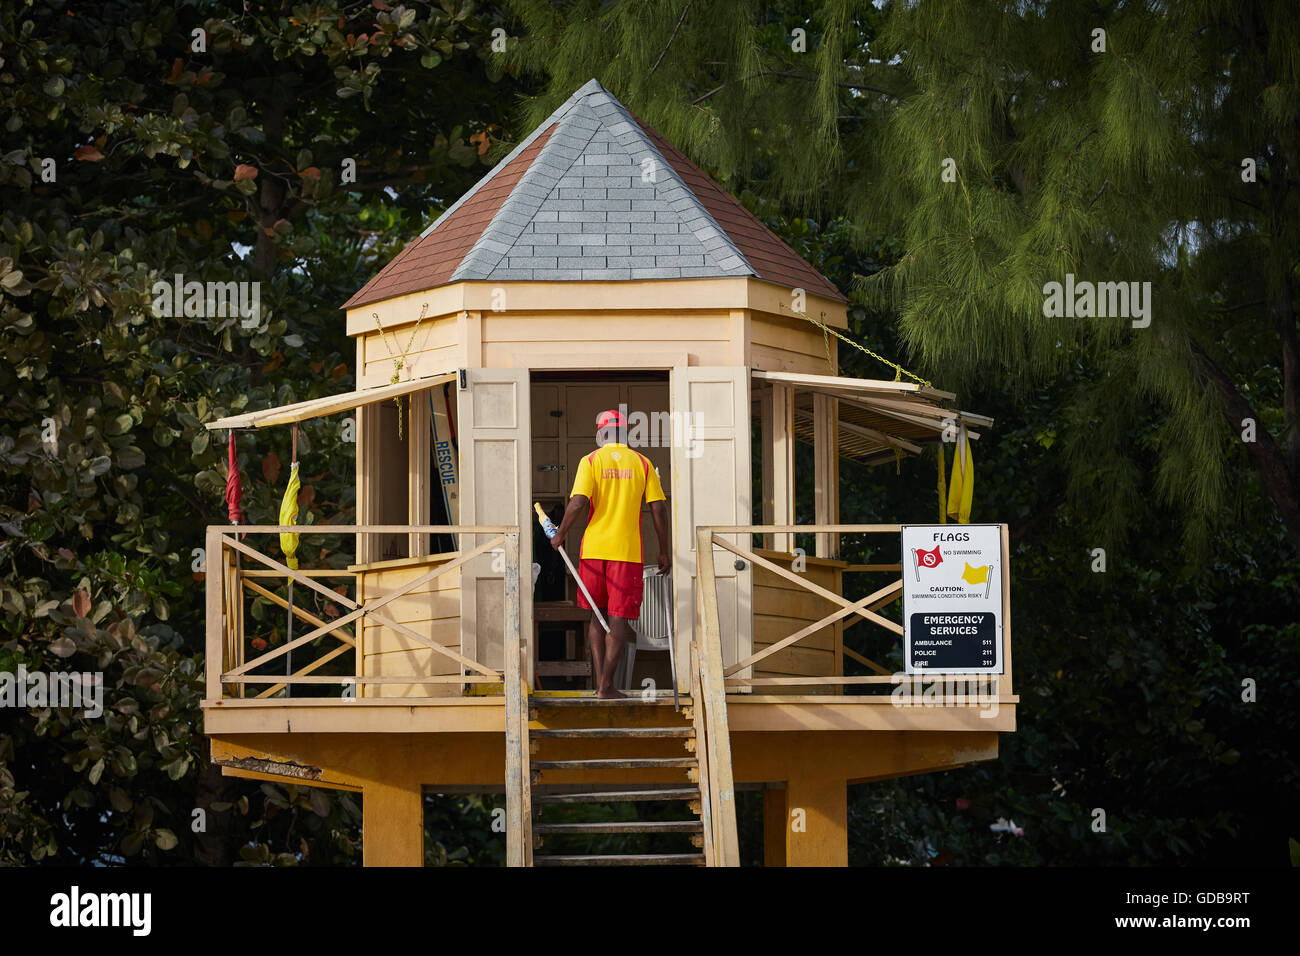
(877, 419)
(329, 405)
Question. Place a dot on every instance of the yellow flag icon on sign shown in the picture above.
(978, 576)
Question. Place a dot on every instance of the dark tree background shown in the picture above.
(128, 154)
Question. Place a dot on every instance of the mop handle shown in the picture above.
(551, 531)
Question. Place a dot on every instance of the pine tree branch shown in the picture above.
(1098, 196)
(1279, 483)
(671, 38)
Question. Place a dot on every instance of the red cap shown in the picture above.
(606, 419)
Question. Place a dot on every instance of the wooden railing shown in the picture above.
(228, 580)
(864, 608)
(518, 779)
(712, 731)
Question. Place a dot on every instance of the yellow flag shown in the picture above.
(962, 486)
(943, 489)
(289, 515)
(976, 575)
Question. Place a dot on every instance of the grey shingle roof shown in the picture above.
(593, 194)
(598, 202)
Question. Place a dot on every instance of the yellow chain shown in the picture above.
(399, 361)
(899, 371)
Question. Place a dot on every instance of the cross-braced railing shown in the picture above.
(236, 568)
(865, 608)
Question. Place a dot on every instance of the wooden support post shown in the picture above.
(214, 580)
(392, 823)
(722, 791)
(775, 821)
(782, 454)
(469, 338)
(826, 472)
(764, 392)
(369, 546)
(363, 472)
(419, 467)
(1004, 682)
(738, 344)
(816, 821)
(519, 832)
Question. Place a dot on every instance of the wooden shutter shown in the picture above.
(712, 489)
(495, 456)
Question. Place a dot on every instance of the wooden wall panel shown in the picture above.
(781, 608)
(431, 609)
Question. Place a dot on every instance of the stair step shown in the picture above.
(616, 763)
(546, 703)
(622, 859)
(623, 826)
(619, 796)
(615, 732)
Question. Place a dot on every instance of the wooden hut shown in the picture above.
(597, 267)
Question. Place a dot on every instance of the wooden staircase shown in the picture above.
(622, 739)
(612, 738)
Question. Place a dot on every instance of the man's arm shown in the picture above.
(659, 515)
(577, 507)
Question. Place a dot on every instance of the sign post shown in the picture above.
(953, 583)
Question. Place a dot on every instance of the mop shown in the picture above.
(551, 531)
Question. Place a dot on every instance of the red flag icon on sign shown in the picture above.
(926, 559)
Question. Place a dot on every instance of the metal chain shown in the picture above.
(899, 371)
(399, 361)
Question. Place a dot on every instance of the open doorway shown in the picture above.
(564, 409)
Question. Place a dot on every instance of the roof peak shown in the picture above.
(592, 193)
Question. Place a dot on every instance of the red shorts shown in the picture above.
(616, 585)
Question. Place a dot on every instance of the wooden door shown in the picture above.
(496, 486)
(711, 486)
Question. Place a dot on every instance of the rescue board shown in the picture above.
(445, 457)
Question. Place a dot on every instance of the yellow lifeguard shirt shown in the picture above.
(615, 478)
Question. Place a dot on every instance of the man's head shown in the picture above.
(611, 426)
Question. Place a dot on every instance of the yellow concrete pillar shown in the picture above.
(774, 826)
(392, 824)
(816, 821)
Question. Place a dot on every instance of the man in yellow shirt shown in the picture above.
(611, 482)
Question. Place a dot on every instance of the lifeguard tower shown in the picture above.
(595, 267)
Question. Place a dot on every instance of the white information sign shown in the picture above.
(952, 598)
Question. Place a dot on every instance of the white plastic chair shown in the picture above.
(653, 627)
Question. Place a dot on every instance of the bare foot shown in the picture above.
(611, 694)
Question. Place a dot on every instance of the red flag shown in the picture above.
(926, 559)
(929, 559)
(234, 488)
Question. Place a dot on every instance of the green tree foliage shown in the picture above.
(215, 140)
